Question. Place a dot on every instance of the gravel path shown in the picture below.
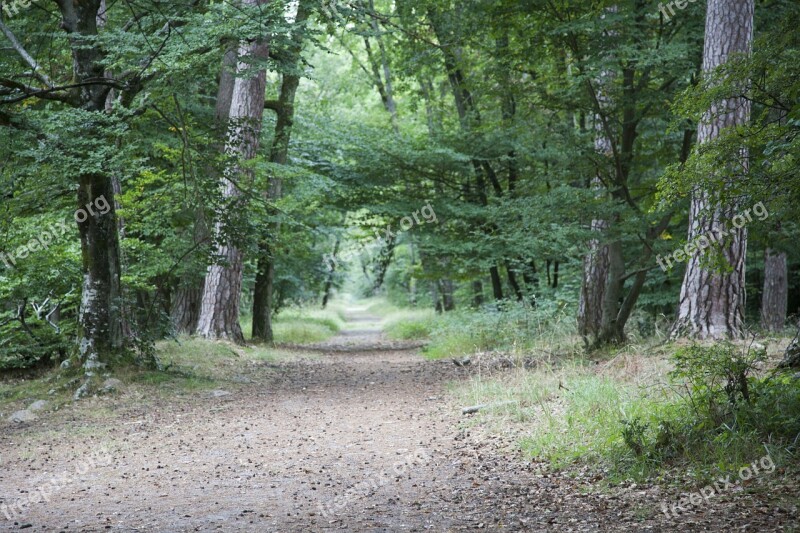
(360, 439)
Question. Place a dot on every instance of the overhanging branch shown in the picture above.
(16, 45)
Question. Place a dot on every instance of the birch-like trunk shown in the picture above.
(188, 295)
(219, 313)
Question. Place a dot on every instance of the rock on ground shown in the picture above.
(22, 416)
(38, 405)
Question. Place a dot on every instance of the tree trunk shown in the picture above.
(382, 263)
(219, 313)
(774, 300)
(596, 263)
(446, 289)
(712, 303)
(100, 331)
(497, 283)
(477, 293)
(188, 298)
(186, 308)
(512, 280)
(595, 272)
(435, 296)
(279, 154)
(263, 295)
(326, 293)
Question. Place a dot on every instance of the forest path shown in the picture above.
(361, 438)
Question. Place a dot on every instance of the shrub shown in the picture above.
(722, 413)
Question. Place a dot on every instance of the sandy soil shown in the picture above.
(362, 438)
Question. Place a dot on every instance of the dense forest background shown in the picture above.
(172, 167)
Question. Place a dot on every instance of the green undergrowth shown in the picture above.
(505, 327)
(303, 325)
(659, 413)
(511, 327)
(410, 324)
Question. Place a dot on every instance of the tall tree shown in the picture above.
(188, 295)
(101, 334)
(219, 312)
(774, 298)
(469, 120)
(279, 154)
(712, 300)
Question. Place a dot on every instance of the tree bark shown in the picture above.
(712, 303)
(100, 331)
(477, 294)
(265, 274)
(597, 262)
(263, 293)
(497, 283)
(188, 295)
(219, 313)
(595, 272)
(326, 292)
(774, 300)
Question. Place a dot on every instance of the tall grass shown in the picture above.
(410, 324)
(303, 325)
(509, 327)
(572, 411)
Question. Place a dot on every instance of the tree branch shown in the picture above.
(15, 44)
(273, 105)
(48, 94)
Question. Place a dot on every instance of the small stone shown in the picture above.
(23, 416)
(111, 385)
(65, 364)
(219, 393)
(38, 405)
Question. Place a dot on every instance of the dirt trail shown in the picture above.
(361, 439)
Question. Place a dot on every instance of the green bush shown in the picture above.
(35, 345)
(722, 414)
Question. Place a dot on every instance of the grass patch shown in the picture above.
(687, 416)
(410, 324)
(302, 325)
(509, 327)
(380, 307)
(568, 413)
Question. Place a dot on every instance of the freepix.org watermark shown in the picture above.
(14, 510)
(703, 242)
(702, 497)
(680, 4)
(378, 479)
(426, 215)
(13, 7)
(52, 233)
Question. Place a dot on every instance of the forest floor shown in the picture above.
(355, 434)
